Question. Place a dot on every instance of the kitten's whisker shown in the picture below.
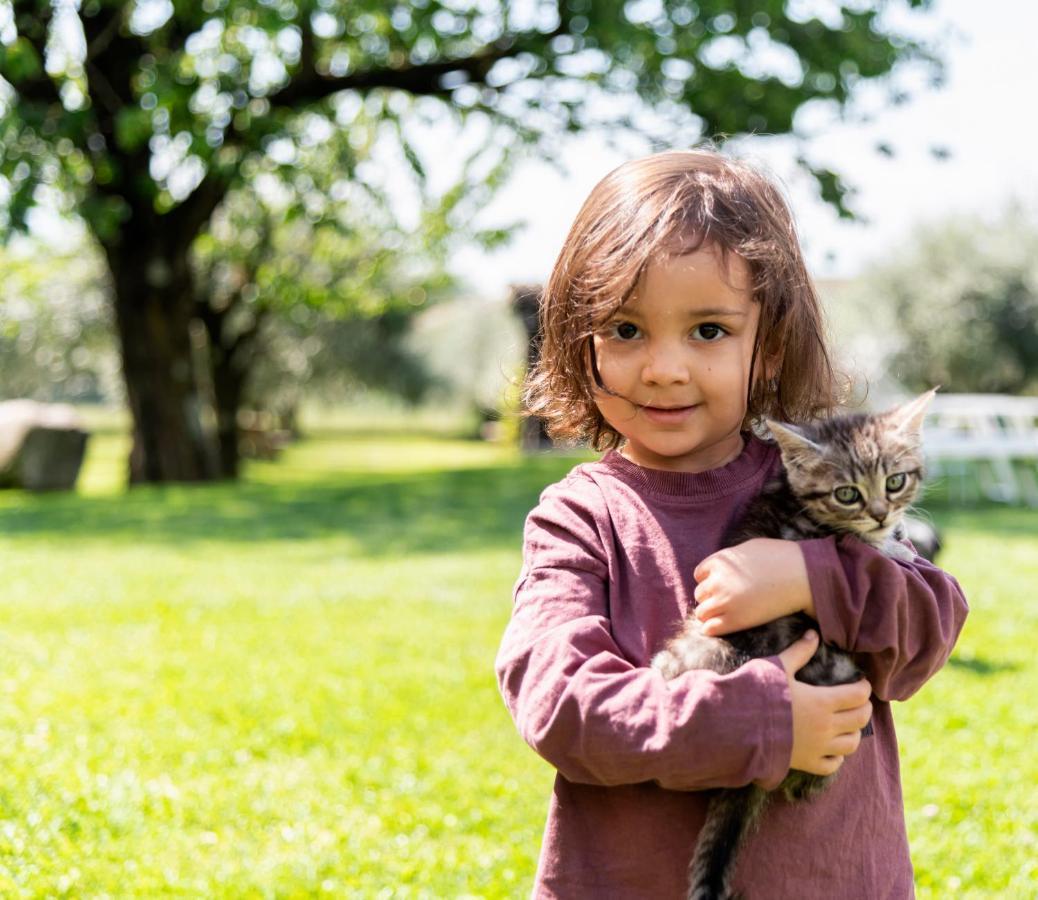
(923, 515)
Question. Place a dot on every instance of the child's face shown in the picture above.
(678, 355)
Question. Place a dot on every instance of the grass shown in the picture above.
(284, 688)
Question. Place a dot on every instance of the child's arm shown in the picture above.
(600, 719)
(597, 717)
(905, 616)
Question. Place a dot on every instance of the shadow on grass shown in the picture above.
(977, 665)
(380, 513)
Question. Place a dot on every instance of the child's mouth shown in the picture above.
(667, 415)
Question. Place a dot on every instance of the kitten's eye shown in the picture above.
(708, 331)
(847, 495)
(625, 331)
(896, 482)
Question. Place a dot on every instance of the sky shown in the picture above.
(984, 115)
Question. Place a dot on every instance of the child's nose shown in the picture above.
(666, 365)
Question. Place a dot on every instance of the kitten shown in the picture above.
(853, 474)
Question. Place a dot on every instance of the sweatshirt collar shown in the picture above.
(756, 454)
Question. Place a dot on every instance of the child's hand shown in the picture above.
(827, 721)
(750, 584)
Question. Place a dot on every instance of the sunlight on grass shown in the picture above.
(284, 688)
(967, 740)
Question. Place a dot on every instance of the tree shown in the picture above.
(961, 307)
(55, 331)
(311, 260)
(140, 117)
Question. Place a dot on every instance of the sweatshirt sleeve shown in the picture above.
(597, 717)
(904, 617)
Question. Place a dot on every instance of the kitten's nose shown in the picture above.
(879, 513)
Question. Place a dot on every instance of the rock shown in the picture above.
(41, 445)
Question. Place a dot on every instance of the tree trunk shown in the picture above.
(228, 388)
(230, 358)
(154, 300)
(526, 299)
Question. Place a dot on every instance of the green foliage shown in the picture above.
(314, 356)
(476, 348)
(318, 266)
(960, 306)
(284, 688)
(20, 61)
(200, 88)
(132, 128)
(56, 339)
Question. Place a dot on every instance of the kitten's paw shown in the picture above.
(667, 663)
(896, 550)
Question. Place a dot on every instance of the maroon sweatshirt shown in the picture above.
(607, 577)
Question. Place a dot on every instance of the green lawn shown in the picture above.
(285, 688)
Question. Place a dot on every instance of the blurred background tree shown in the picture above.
(308, 276)
(966, 296)
(56, 341)
(142, 117)
(957, 307)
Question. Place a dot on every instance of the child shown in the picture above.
(678, 314)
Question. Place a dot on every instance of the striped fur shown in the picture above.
(823, 462)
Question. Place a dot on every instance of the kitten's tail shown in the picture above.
(730, 817)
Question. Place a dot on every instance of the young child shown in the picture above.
(678, 315)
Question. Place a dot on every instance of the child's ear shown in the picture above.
(772, 364)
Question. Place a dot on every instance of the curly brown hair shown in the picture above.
(669, 204)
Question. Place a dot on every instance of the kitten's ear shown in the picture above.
(796, 448)
(908, 418)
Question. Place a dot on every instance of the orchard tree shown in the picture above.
(56, 341)
(306, 272)
(960, 305)
(141, 117)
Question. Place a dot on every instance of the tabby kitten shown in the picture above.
(853, 474)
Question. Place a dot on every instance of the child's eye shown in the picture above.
(625, 331)
(708, 331)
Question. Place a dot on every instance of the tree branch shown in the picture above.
(32, 24)
(99, 39)
(424, 79)
(112, 55)
(187, 219)
(181, 25)
(240, 349)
